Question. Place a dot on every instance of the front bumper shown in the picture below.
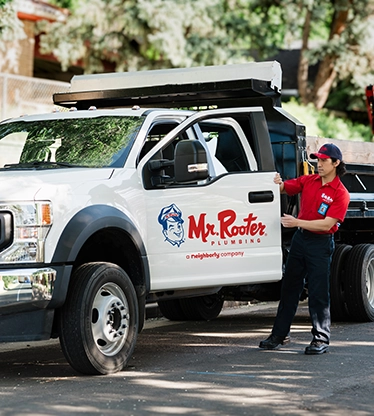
(22, 289)
(28, 299)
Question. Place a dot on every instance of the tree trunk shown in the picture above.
(326, 74)
(324, 80)
(303, 69)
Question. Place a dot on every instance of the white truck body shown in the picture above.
(105, 210)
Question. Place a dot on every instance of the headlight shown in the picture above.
(31, 223)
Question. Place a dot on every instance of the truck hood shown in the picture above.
(22, 185)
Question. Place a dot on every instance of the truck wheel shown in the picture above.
(359, 283)
(172, 310)
(202, 308)
(99, 320)
(338, 307)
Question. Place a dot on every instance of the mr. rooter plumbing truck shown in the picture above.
(129, 199)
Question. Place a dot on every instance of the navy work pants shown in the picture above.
(309, 257)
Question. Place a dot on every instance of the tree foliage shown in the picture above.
(337, 35)
(345, 53)
(148, 34)
(141, 34)
(324, 123)
(11, 28)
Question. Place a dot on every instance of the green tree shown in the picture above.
(151, 34)
(11, 28)
(345, 53)
(140, 34)
(337, 35)
(3, 3)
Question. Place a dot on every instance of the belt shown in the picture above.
(311, 234)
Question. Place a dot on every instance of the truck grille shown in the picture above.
(6, 231)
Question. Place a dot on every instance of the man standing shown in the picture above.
(323, 205)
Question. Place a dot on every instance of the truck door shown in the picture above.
(224, 230)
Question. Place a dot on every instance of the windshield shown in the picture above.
(84, 142)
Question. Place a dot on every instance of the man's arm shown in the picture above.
(324, 225)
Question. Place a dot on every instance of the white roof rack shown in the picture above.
(265, 71)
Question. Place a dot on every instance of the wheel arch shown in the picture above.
(104, 233)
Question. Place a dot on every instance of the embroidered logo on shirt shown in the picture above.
(323, 209)
(327, 198)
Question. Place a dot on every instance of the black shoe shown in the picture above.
(273, 341)
(317, 347)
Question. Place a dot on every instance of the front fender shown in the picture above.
(87, 222)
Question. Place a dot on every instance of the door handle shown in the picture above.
(260, 196)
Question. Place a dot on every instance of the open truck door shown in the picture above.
(217, 214)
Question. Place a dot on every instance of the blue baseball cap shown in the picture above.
(328, 150)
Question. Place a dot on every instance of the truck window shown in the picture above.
(228, 150)
(226, 147)
(157, 132)
(82, 141)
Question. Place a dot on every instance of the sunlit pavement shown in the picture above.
(201, 368)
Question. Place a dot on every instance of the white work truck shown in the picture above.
(114, 204)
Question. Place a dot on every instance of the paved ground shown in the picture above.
(201, 368)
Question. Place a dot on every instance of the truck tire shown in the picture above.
(202, 308)
(99, 320)
(172, 310)
(359, 283)
(338, 306)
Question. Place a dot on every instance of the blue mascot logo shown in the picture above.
(171, 220)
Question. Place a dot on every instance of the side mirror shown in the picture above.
(190, 162)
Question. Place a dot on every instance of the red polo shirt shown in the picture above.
(317, 200)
